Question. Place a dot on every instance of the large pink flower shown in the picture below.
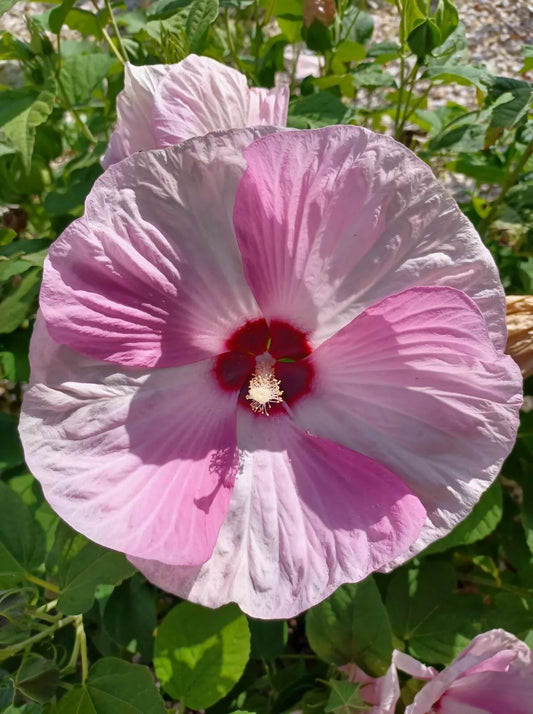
(256, 371)
(164, 104)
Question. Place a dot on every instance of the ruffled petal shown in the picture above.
(471, 684)
(135, 106)
(138, 462)
(415, 382)
(332, 220)
(200, 95)
(306, 515)
(152, 275)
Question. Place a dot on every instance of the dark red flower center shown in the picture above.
(288, 348)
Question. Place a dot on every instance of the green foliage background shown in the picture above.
(80, 631)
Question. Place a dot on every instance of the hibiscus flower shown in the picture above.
(269, 363)
(493, 675)
(164, 104)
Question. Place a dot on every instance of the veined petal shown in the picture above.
(152, 275)
(494, 674)
(139, 462)
(306, 515)
(200, 95)
(415, 382)
(135, 106)
(332, 220)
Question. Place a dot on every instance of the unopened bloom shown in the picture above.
(164, 104)
(493, 675)
(256, 371)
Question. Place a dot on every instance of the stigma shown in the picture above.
(264, 390)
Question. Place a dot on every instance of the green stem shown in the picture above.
(231, 43)
(407, 111)
(511, 178)
(82, 639)
(13, 649)
(116, 30)
(400, 9)
(107, 37)
(42, 584)
(476, 580)
(87, 133)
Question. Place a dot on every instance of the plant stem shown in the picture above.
(231, 43)
(117, 33)
(400, 9)
(511, 178)
(476, 580)
(82, 640)
(13, 649)
(43, 583)
(107, 37)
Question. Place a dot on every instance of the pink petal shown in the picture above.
(382, 692)
(135, 106)
(306, 515)
(200, 95)
(330, 221)
(151, 275)
(137, 461)
(464, 687)
(416, 383)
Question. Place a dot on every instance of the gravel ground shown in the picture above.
(495, 29)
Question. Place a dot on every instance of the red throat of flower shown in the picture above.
(267, 365)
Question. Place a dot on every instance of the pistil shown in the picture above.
(264, 389)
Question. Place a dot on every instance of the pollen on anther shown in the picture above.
(264, 389)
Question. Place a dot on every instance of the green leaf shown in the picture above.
(114, 687)
(370, 74)
(466, 75)
(130, 616)
(81, 74)
(352, 625)
(448, 629)
(414, 593)
(424, 38)
(37, 680)
(345, 698)
(202, 13)
(446, 18)
(527, 53)
(10, 447)
(484, 518)
(92, 566)
(269, 638)
(317, 37)
(319, 109)
(58, 15)
(21, 111)
(200, 654)
(21, 538)
(20, 301)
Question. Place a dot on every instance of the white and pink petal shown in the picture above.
(330, 221)
(416, 383)
(306, 515)
(134, 129)
(200, 95)
(152, 275)
(141, 462)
